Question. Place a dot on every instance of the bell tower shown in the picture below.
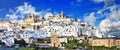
(62, 13)
(54, 40)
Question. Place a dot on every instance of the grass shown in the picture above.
(25, 48)
(38, 49)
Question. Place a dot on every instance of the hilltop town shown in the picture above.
(53, 31)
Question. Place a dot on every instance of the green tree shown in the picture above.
(21, 42)
(63, 44)
(83, 44)
(94, 37)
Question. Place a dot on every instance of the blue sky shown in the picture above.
(82, 9)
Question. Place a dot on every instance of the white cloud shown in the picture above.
(11, 17)
(90, 18)
(98, 1)
(111, 13)
(23, 10)
(106, 2)
(110, 8)
(20, 11)
(113, 21)
(115, 13)
(105, 24)
(48, 14)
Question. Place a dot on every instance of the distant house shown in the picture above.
(107, 42)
